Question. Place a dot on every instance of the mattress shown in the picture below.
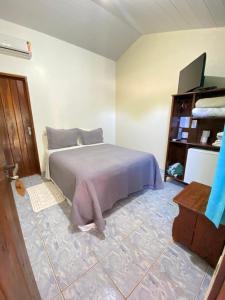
(95, 177)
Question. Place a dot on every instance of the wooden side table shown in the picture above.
(193, 229)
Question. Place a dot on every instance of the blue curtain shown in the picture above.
(215, 210)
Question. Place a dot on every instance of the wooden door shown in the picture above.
(16, 276)
(16, 115)
(216, 288)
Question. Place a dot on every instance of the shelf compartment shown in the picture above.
(197, 145)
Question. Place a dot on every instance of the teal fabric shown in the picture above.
(215, 210)
(176, 170)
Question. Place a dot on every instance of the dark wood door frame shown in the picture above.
(16, 276)
(24, 78)
(217, 286)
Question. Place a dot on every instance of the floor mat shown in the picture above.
(44, 195)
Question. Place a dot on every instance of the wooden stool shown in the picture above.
(193, 229)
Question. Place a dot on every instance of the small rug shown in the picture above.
(44, 195)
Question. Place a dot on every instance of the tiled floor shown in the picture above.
(134, 259)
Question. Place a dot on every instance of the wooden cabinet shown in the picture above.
(193, 229)
(182, 105)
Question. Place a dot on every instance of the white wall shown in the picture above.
(147, 74)
(69, 86)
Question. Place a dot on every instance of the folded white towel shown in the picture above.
(208, 112)
(211, 102)
(219, 135)
(217, 143)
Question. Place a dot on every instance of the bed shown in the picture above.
(94, 177)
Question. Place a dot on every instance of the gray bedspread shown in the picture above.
(95, 177)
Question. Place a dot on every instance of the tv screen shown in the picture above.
(192, 76)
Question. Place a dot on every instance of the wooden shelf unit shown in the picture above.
(182, 105)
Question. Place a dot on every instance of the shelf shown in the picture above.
(198, 118)
(216, 90)
(175, 178)
(208, 118)
(179, 142)
(198, 145)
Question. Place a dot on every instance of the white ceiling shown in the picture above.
(148, 16)
(81, 22)
(109, 27)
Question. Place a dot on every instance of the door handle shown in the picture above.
(14, 168)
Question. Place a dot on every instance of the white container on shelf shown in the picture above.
(200, 166)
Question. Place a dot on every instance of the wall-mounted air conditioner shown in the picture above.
(14, 46)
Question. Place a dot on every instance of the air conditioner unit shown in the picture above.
(14, 46)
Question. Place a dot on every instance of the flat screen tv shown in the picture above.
(192, 76)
